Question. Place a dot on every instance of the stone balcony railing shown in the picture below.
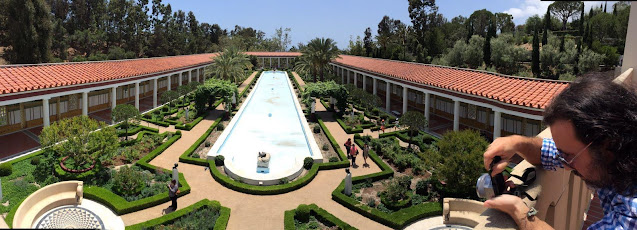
(561, 197)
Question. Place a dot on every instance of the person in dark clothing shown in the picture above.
(173, 191)
(348, 145)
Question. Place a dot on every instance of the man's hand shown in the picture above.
(503, 147)
(509, 204)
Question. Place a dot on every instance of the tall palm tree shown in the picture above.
(231, 64)
(317, 56)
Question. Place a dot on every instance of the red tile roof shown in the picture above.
(274, 54)
(19, 78)
(534, 93)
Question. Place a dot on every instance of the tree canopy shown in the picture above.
(415, 122)
(326, 89)
(126, 113)
(210, 90)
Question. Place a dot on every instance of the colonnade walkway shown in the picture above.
(257, 211)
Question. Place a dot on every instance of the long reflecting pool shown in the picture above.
(271, 120)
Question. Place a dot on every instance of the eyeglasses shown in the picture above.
(562, 157)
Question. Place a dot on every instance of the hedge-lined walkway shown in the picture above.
(254, 211)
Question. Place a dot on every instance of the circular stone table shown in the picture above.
(70, 217)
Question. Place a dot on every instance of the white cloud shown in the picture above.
(529, 8)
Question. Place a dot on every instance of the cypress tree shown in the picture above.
(470, 31)
(547, 26)
(585, 35)
(487, 43)
(615, 9)
(591, 13)
(535, 55)
(562, 43)
(590, 37)
(29, 31)
(581, 21)
(579, 52)
(605, 5)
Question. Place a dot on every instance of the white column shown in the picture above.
(456, 115)
(347, 76)
(137, 95)
(270, 63)
(279, 61)
(113, 97)
(169, 77)
(155, 92)
(180, 78)
(405, 90)
(85, 103)
(497, 124)
(427, 105)
(387, 93)
(190, 76)
(198, 74)
(375, 85)
(45, 112)
(364, 82)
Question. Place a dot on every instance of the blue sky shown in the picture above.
(336, 19)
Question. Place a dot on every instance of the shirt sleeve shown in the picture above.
(549, 155)
(173, 189)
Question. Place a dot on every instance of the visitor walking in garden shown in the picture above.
(365, 155)
(382, 125)
(173, 191)
(353, 152)
(348, 145)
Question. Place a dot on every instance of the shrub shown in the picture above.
(325, 147)
(316, 129)
(308, 162)
(422, 187)
(35, 160)
(207, 144)
(371, 202)
(128, 181)
(396, 194)
(302, 213)
(6, 169)
(334, 159)
(219, 160)
(178, 132)
(220, 127)
(284, 180)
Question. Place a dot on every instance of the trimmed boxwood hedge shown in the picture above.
(186, 158)
(398, 219)
(320, 214)
(221, 223)
(121, 206)
(188, 126)
(296, 83)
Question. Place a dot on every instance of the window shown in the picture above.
(3, 115)
(531, 129)
(64, 107)
(98, 99)
(482, 116)
(444, 106)
(14, 117)
(471, 111)
(463, 110)
(33, 113)
(53, 109)
(512, 125)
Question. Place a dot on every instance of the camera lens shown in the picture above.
(484, 188)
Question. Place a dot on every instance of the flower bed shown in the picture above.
(397, 219)
(185, 215)
(15, 191)
(316, 214)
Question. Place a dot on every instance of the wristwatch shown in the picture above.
(531, 213)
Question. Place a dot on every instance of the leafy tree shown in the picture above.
(326, 89)
(535, 56)
(317, 56)
(356, 47)
(565, 10)
(505, 55)
(481, 21)
(168, 97)
(28, 31)
(424, 18)
(415, 121)
(473, 54)
(76, 137)
(589, 61)
(231, 65)
(128, 114)
(182, 90)
(532, 23)
(368, 42)
(504, 22)
(459, 161)
(208, 92)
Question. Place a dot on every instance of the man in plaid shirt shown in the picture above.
(594, 127)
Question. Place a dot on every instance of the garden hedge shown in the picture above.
(296, 83)
(320, 214)
(221, 223)
(134, 130)
(121, 206)
(398, 219)
(189, 126)
(186, 158)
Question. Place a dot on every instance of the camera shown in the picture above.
(489, 186)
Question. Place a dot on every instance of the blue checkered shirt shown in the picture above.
(620, 212)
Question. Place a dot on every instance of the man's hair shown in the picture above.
(173, 181)
(604, 114)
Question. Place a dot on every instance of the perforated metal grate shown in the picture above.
(70, 217)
